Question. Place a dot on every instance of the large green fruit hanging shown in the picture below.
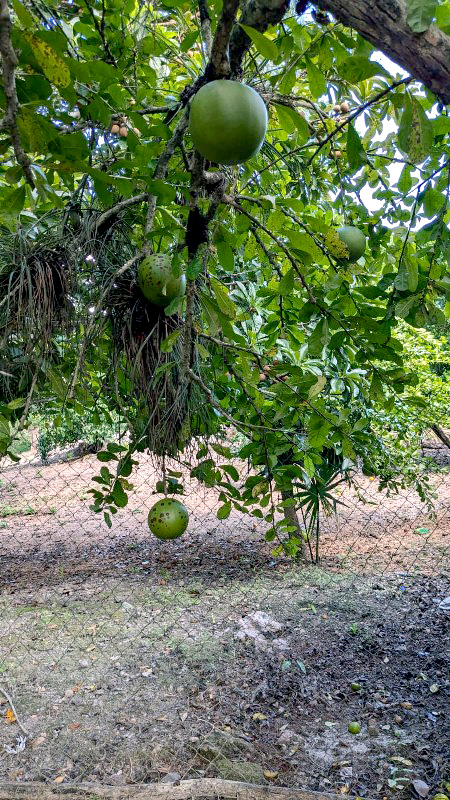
(354, 240)
(168, 518)
(157, 280)
(228, 122)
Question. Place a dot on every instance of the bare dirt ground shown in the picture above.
(130, 659)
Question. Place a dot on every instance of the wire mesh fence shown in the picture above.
(129, 660)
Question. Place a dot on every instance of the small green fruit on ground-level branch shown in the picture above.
(228, 122)
(168, 518)
(158, 281)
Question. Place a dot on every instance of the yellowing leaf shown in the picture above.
(415, 134)
(270, 775)
(52, 65)
(258, 717)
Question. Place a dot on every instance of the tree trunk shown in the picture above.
(441, 435)
(290, 515)
(426, 55)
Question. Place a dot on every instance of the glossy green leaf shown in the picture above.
(265, 46)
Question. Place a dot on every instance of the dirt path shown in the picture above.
(130, 659)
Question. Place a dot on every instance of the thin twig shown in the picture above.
(8, 698)
(161, 170)
(356, 113)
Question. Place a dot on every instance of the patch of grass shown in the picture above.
(22, 444)
(12, 511)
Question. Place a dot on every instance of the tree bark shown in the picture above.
(441, 435)
(426, 56)
(290, 515)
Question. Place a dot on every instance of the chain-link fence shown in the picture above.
(128, 660)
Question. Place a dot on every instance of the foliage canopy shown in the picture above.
(278, 335)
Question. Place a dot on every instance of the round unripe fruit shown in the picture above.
(115, 128)
(228, 122)
(354, 240)
(345, 107)
(157, 281)
(262, 377)
(168, 518)
(123, 131)
(354, 727)
(336, 108)
(356, 687)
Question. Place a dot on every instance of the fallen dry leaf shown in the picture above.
(270, 775)
(38, 740)
(59, 779)
(74, 726)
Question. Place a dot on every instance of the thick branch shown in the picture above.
(205, 24)
(219, 65)
(426, 56)
(9, 64)
(441, 434)
(260, 15)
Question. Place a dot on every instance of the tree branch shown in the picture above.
(205, 25)
(9, 64)
(259, 15)
(356, 113)
(161, 170)
(219, 63)
(115, 210)
(426, 55)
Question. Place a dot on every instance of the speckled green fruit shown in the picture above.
(228, 122)
(168, 518)
(157, 281)
(354, 240)
(354, 727)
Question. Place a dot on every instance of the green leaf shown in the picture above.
(290, 120)
(420, 14)
(23, 15)
(105, 456)
(403, 307)
(226, 305)
(168, 344)
(120, 497)
(13, 201)
(316, 79)
(223, 512)
(358, 68)
(318, 429)
(226, 256)
(407, 277)
(287, 283)
(263, 44)
(356, 154)
(415, 134)
(317, 387)
(107, 519)
(318, 338)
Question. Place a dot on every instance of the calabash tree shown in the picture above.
(261, 291)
